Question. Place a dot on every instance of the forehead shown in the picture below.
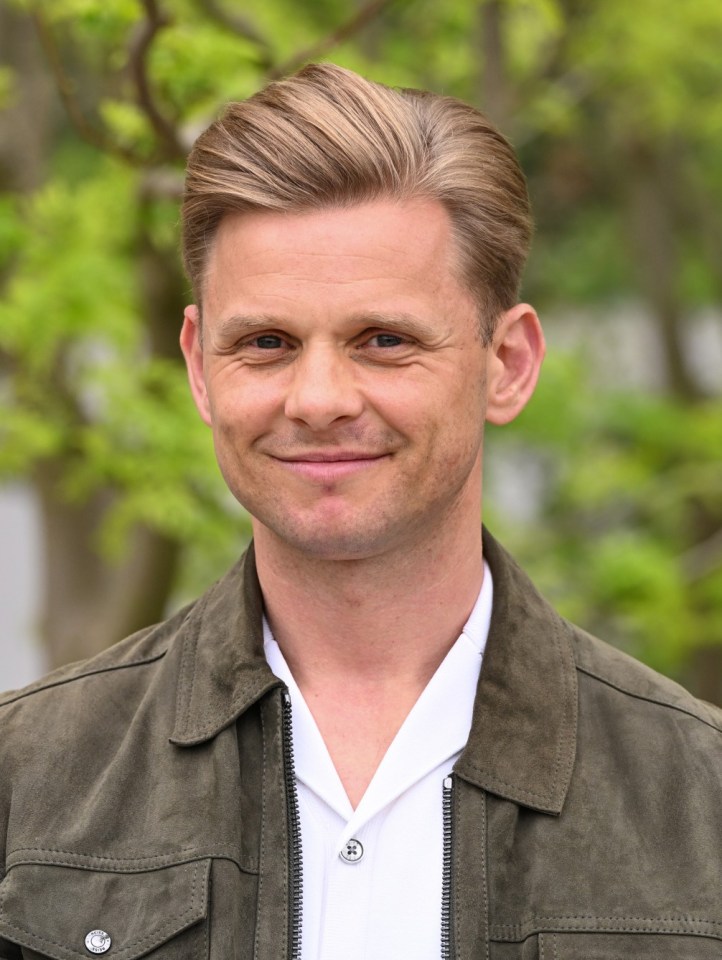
(376, 244)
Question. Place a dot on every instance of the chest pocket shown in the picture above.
(627, 946)
(49, 910)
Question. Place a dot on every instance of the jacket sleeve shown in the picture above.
(8, 951)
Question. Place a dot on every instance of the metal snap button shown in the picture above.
(352, 851)
(97, 941)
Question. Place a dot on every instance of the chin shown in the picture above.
(325, 541)
(342, 537)
(323, 545)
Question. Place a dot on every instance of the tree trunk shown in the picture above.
(706, 674)
(28, 122)
(494, 94)
(90, 602)
(653, 180)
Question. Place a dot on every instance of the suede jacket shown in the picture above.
(147, 799)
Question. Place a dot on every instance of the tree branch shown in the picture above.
(344, 31)
(161, 183)
(140, 46)
(703, 558)
(97, 138)
(241, 26)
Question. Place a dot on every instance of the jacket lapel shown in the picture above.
(223, 667)
(523, 735)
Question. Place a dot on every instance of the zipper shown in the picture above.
(446, 892)
(295, 859)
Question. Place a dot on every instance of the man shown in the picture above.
(372, 739)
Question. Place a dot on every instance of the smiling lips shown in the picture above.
(328, 467)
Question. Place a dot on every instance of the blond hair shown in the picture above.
(327, 137)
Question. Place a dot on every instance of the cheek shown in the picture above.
(459, 422)
(452, 405)
(445, 428)
(239, 405)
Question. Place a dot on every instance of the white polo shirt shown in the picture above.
(372, 877)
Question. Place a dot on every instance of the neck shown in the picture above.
(389, 618)
(363, 637)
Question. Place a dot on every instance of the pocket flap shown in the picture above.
(51, 909)
(628, 946)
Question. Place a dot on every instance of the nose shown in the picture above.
(323, 389)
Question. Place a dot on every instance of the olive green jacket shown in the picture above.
(145, 793)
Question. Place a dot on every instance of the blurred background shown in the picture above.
(609, 488)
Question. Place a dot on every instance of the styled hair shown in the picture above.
(327, 137)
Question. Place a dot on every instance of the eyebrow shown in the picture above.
(241, 324)
(401, 322)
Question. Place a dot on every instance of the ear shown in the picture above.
(515, 358)
(190, 341)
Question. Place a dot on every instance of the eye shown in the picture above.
(386, 340)
(268, 341)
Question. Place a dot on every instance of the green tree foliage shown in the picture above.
(85, 386)
(626, 537)
(617, 115)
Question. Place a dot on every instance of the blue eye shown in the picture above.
(388, 340)
(268, 342)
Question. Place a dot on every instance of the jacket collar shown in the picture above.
(522, 742)
(523, 734)
(223, 668)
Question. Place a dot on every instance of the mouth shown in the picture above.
(335, 456)
(327, 467)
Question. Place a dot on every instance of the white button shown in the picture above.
(352, 851)
(97, 941)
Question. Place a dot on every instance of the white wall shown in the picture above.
(21, 660)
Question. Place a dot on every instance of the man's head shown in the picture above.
(344, 240)
(328, 138)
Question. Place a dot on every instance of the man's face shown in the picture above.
(342, 372)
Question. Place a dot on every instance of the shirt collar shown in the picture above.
(421, 744)
(476, 628)
(523, 732)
